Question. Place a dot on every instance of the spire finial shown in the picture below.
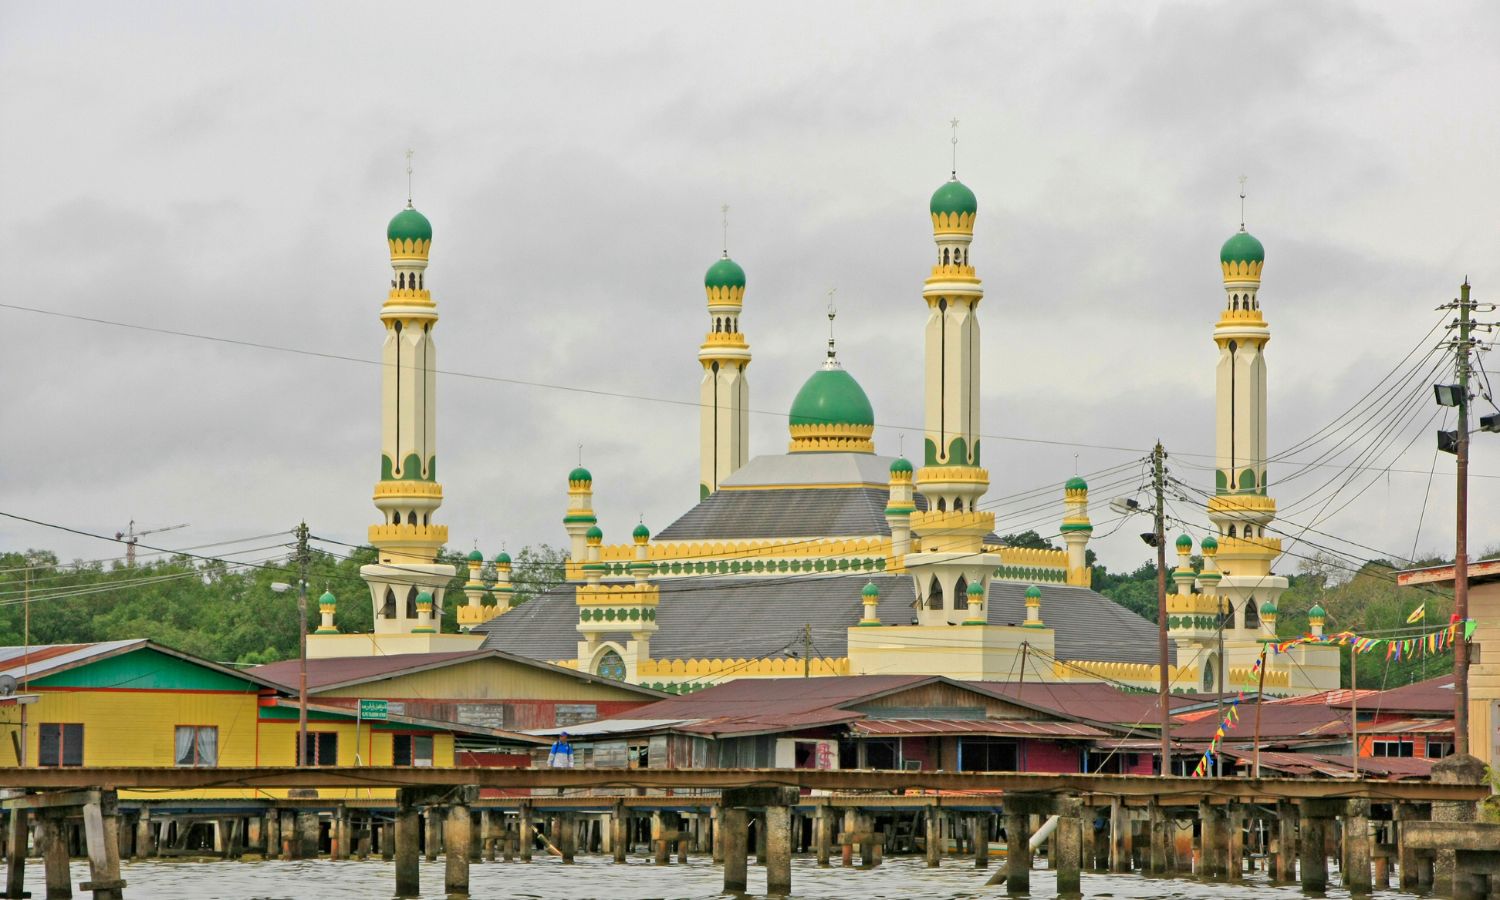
(832, 313)
(1243, 179)
(900, 443)
(408, 177)
(954, 123)
(580, 455)
(725, 210)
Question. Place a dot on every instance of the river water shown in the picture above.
(898, 878)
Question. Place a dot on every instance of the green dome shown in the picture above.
(976, 589)
(595, 533)
(724, 273)
(409, 225)
(641, 531)
(902, 464)
(1242, 247)
(1076, 484)
(870, 590)
(1268, 608)
(581, 474)
(1210, 543)
(476, 556)
(424, 597)
(1184, 542)
(1034, 591)
(1317, 612)
(954, 197)
(327, 599)
(502, 559)
(832, 397)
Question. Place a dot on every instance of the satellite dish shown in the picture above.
(7, 685)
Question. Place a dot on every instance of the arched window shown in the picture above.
(945, 256)
(610, 666)
(935, 594)
(1252, 614)
(388, 609)
(411, 518)
(961, 590)
(942, 504)
(958, 505)
(420, 280)
(402, 279)
(411, 602)
(1210, 679)
(395, 518)
(1231, 531)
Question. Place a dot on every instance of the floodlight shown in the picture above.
(1124, 506)
(1448, 441)
(1448, 394)
(1149, 537)
(1489, 423)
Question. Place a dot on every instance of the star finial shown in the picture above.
(409, 154)
(832, 313)
(954, 123)
(725, 210)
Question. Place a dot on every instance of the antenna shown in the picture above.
(1243, 179)
(954, 123)
(408, 176)
(832, 312)
(725, 210)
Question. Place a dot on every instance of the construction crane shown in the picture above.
(129, 536)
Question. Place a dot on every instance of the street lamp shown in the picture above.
(282, 587)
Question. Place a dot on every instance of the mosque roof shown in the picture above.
(1242, 247)
(954, 197)
(832, 397)
(409, 224)
(853, 511)
(705, 617)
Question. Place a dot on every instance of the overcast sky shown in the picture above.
(228, 169)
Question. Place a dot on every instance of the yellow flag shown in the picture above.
(1417, 614)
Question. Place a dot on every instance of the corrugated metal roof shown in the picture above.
(1095, 701)
(1331, 766)
(760, 617)
(1435, 695)
(813, 469)
(46, 659)
(956, 727)
(340, 672)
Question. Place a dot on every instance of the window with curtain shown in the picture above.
(411, 749)
(59, 744)
(196, 745)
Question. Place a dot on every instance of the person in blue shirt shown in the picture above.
(561, 754)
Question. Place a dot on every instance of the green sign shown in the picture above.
(373, 709)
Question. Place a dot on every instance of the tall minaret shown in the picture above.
(951, 530)
(724, 398)
(408, 492)
(1241, 507)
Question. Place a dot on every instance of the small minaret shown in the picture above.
(1182, 576)
(641, 568)
(1315, 617)
(1208, 579)
(504, 592)
(580, 517)
(425, 622)
(870, 598)
(474, 612)
(408, 493)
(595, 568)
(724, 396)
(900, 506)
(327, 606)
(1076, 530)
(1033, 608)
(1268, 613)
(975, 594)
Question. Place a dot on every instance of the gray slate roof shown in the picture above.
(764, 616)
(788, 512)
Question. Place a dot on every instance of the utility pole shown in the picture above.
(1219, 703)
(302, 561)
(807, 649)
(1164, 687)
(1461, 552)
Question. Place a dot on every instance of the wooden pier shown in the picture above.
(1214, 829)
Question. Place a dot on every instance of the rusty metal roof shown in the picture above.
(1085, 700)
(346, 671)
(1435, 695)
(964, 727)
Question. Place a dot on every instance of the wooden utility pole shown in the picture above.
(1260, 696)
(302, 560)
(1164, 686)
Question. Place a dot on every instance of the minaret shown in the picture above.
(1076, 530)
(951, 530)
(408, 492)
(1241, 507)
(724, 397)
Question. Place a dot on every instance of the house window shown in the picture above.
(411, 749)
(1437, 748)
(321, 749)
(60, 744)
(1392, 748)
(196, 745)
(986, 755)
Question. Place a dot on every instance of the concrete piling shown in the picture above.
(1017, 853)
(54, 848)
(934, 829)
(778, 822)
(1356, 872)
(1119, 836)
(735, 825)
(526, 834)
(1283, 861)
(979, 839)
(1070, 827)
(407, 825)
(459, 835)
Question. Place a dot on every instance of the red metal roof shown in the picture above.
(1329, 766)
(1435, 695)
(1088, 700)
(1002, 727)
(330, 674)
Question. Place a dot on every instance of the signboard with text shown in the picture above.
(374, 709)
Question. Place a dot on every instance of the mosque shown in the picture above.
(830, 559)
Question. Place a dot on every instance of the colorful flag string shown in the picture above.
(1396, 649)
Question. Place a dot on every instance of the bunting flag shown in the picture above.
(1231, 716)
(1396, 649)
(1417, 614)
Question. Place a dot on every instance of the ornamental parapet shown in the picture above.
(1242, 270)
(1241, 317)
(1249, 548)
(436, 535)
(726, 295)
(951, 272)
(1143, 674)
(938, 523)
(1246, 676)
(1194, 604)
(396, 489)
(617, 595)
(408, 248)
(1229, 504)
(821, 437)
(953, 222)
(758, 557)
(930, 475)
(741, 668)
(469, 616)
(1032, 557)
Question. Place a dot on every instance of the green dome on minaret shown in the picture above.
(409, 225)
(1242, 247)
(641, 532)
(832, 397)
(581, 474)
(901, 464)
(476, 556)
(954, 197)
(870, 590)
(1184, 542)
(724, 273)
(1076, 483)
